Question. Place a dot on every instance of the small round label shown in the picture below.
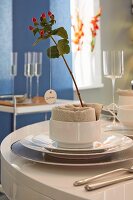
(50, 96)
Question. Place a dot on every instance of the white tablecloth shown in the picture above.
(23, 179)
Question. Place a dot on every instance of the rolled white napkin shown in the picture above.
(97, 107)
(76, 113)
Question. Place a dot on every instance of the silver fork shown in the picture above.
(87, 180)
(94, 186)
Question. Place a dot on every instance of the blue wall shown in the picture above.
(23, 11)
(5, 45)
(5, 49)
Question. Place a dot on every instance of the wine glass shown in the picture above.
(38, 69)
(26, 71)
(14, 56)
(29, 72)
(113, 68)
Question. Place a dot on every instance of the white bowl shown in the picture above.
(75, 134)
(125, 115)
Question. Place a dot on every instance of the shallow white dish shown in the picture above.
(39, 157)
(108, 140)
(111, 143)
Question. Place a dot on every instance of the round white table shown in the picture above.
(23, 179)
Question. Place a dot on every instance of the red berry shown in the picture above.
(42, 32)
(31, 28)
(43, 15)
(49, 13)
(34, 20)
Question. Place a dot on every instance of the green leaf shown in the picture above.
(44, 20)
(60, 32)
(36, 30)
(52, 22)
(63, 47)
(40, 39)
(37, 41)
(42, 23)
(54, 32)
(45, 26)
(36, 24)
(53, 52)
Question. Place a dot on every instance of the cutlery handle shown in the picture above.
(87, 180)
(95, 186)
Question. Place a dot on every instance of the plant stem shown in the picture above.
(77, 90)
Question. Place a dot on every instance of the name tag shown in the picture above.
(50, 96)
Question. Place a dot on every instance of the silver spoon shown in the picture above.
(87, 180)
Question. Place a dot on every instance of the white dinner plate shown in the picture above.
(108, 140)
(39, 157)
(111, 143)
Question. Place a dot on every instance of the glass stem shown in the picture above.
(46, 118)
(113, 96)
(27, 86)
(30, 87)
(37, 93)
(113, 92)
(13, 85)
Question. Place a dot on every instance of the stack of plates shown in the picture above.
(42, 149)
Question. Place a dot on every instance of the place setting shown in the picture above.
(78, 137)
(75, 143)
(109, 146)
